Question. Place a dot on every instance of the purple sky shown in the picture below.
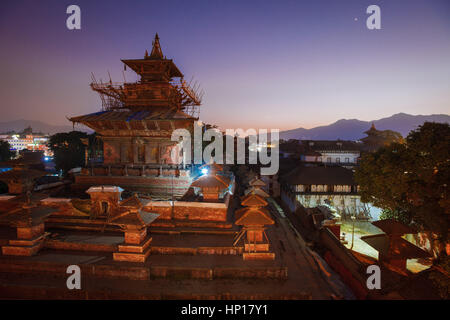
(262, 64)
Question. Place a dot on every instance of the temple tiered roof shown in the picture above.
(258, 191)
(211, 181)
(253, 200)
(253, 216)
(155, 97)
(156, 113)
(151, 65)
(257, 182)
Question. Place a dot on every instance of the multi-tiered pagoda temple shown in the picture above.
(136, 124)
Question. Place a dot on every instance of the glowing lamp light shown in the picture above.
(46, 158)
(204, 171)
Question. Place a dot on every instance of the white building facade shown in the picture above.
(329, 186)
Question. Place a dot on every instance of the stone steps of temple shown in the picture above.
(159, 230)
(162, 226)
(79, 226)
(192, 224)
(206, 231)
(162, 266)
(193, 231)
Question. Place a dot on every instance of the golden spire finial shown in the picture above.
(156, 50)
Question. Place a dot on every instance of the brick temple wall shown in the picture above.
(183, 210)
(152, 184)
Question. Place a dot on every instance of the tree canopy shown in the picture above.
(409, 181)
(5, 152)
(68, 149)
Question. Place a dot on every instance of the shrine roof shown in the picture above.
(153, 113)
(138, 218)
(372, 130)
(213, 167)
(20, 174)
(399, 246)
(211, 181)
(258, 191)
(135, 202)
(27, 216)
(253, 200)
(156, 56)
(257, 182)
(391, 226)
(251, 216)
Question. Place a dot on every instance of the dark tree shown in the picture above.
(68, 149)
(410, 181)
(5, 152)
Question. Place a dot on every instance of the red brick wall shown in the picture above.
(208, 214)
(189, 213)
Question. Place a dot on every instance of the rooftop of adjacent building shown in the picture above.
(319, 175)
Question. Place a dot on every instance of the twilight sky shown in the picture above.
(262, 64)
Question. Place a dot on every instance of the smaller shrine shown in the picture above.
(129, 216)
(393, 250)
(104, 211)
(20, 179)
(212, 185)
(133, 221)
(256, 187)
(30, 232)
(104, 200)
(254, 218)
